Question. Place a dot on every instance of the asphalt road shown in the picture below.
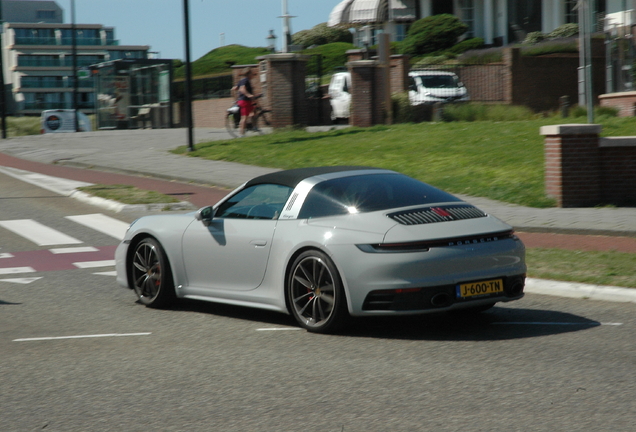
(77, 353)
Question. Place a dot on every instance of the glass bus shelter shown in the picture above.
(133, 93)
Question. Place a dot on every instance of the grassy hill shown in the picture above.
(220, 60)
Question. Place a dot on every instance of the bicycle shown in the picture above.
(233, 118)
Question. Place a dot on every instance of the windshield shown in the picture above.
(367, 193)
(438, 81)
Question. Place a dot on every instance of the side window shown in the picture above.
(263, 201)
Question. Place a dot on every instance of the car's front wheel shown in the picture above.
(315, 293)
(151, 277)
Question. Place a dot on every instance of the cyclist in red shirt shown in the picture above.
(245, 97)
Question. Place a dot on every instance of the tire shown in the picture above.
(151, 275)
(315, 294)
(231, 125)
(264, 119)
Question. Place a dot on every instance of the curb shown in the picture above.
(118, 207)
(580, 291)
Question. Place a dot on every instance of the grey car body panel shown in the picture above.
(258, 257)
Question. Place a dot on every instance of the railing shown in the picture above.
(24, 61)
(56, 105)
(25, 83)
(38, 40)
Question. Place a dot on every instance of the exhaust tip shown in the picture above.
(516, 289)
(441, 300)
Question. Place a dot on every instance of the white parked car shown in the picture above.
(340, 96)
(428, 87)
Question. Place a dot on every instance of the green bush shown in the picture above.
(334, 55)
(321, 34)
(467, 44)
(432, 34)
(534, 37)
(566, 30)
(404, 112)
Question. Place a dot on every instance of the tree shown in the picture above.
(321, 34)
(432, 34)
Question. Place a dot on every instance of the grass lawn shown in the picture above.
(497, 160)
(598, 268)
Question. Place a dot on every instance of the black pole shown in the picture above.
(75, 86)
(3, 96)
(188, 83)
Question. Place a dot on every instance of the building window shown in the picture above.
(400, 32)
(467, 15)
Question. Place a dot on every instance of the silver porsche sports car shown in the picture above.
(324, 244)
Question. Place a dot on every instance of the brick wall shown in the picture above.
(618, 170)
(210, 112)
(625, 102)
(583, 170)
(538, 81)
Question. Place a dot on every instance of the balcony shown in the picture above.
(56, 105)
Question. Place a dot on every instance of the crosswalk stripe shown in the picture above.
(93, 264)
(102, 223)
(71, 250)
(38, 233)
(16, 270)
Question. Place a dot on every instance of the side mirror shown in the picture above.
(460, 84)
(205, 215)
(413, 87)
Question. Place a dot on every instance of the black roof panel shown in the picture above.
(294, 176)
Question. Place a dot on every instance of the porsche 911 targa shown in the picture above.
(324, 244)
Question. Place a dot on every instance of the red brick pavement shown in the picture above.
(201, 196)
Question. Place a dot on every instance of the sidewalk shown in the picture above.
(141, 158)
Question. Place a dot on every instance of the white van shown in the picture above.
(340, 97)
(63, 120)
(428, 87)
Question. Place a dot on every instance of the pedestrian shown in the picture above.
(245, 98)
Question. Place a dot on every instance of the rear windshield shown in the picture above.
(367, 193)
(438, 81)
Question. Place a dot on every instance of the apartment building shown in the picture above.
(38, 57)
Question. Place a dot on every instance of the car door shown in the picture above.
(232, 250)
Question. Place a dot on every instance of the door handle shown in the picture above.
(259, 243)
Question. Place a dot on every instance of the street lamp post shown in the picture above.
(74, 54)
(188, 82)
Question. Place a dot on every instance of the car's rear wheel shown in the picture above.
(152, 280)
(315, 293)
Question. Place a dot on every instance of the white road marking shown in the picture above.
(54, 184)
(108, 273)
(73, 250)
(93, 264)
(277, 328)
(81, 337)
(102, 223)
(38, 233)
(6, 255)
(22, 281)
(15, 270)
(556, 323)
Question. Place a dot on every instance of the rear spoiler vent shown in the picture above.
(437, 214)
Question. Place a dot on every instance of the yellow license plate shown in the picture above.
(480, 288)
